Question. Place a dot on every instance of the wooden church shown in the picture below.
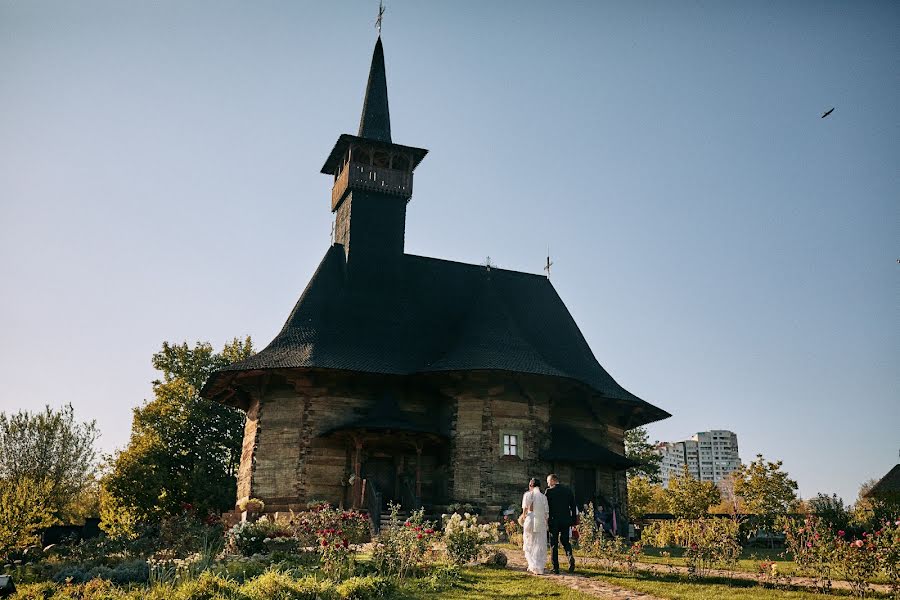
(420, 380)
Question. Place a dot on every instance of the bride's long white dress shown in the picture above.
(534, 534)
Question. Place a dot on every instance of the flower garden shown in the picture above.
(328, 553)
(321, 553)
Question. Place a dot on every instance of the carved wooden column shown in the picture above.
(419, 471)
(357, 481)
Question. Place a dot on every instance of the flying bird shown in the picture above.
(828, 112)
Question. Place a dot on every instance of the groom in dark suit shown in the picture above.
(563, 510)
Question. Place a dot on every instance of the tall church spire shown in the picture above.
(375, 122)
(373, 181)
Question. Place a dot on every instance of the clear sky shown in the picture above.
(730, 256)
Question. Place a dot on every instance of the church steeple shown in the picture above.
(375, 121)
(373, 181)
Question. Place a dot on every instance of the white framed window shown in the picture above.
(511, 443)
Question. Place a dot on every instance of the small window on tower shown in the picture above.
(510, 445)
(382, 160)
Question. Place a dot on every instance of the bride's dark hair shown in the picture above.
(535, 482)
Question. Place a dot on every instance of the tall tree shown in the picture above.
(639, 449)
(183, 449)
(690, 498)
(831, 509)
(645, 497)
(52, 450)
(766, 489)
(24, 511)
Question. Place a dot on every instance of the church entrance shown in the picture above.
(584, 485)
(381, 471)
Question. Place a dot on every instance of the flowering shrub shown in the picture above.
(811, 542)
(336, 554)
(887, 544)
(307, 524)
(465, 539)
(248, 538)
(513, 531)
(820, 552)
(708, 543)
(402, 545)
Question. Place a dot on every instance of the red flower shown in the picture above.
(841, 533)
(346, 543)
(324, 542)
(419, 536)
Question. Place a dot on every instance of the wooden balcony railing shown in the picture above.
(376, 179)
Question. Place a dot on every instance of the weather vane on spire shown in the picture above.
(380, 16)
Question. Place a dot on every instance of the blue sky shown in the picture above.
(729, 255)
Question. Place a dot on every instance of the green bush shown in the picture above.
(364, 588)
(123, 574)
(35, 591)
(707, 542)
(274, 585)
(208, 587)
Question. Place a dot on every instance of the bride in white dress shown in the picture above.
(534, 527)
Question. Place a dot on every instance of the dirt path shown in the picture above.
(580, 583)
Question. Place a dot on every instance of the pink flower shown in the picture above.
(809, 544)
(841, 533)
(858, 543)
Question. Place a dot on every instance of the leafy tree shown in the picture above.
(183, 449)
(870, 512)
(831, 510)
(730, 503)
(24, 510)
(639, 449)
(766, 489)
(690, 498)
(645, 497)
(49, 447)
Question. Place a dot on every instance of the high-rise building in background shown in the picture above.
(708, 455)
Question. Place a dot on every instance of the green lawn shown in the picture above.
(483, 583)
(680, 588)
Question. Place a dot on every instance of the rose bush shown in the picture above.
(402, 545)
(822, 553)
(708, 542)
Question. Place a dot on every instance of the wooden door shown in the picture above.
(382, 472)
(584, 485)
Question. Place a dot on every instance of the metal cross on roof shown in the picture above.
(380, 16)
(549, 264)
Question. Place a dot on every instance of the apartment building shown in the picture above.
(708, 455)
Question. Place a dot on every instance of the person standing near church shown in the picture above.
(563, 511)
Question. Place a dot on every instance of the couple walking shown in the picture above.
(554, 513)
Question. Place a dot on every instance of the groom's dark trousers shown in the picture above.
(563, 510)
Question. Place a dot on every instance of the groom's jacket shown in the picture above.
(563, 508)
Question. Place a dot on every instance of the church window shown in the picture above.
(511, 445)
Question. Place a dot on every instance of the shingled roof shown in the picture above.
(439, 316)
(887, 485)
